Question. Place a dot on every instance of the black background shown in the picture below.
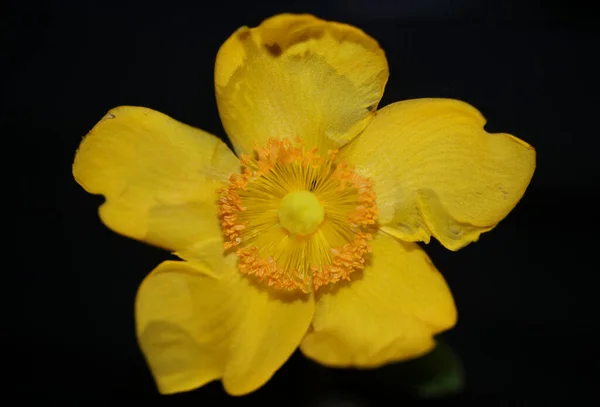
(526, 292)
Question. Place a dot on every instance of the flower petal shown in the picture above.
(298, 76)
(159, 176)
(194, 327)
(438, 172)
(389, 313)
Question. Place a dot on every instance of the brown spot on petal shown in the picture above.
(273, 49)
(243, 33)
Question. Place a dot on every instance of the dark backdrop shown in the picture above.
(526, 292)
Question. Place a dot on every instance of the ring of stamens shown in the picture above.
(249, 211)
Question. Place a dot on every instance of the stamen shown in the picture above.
(297, 221)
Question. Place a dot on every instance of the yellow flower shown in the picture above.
(308, 238)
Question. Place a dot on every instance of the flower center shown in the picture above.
(296, 220)
(301, 213)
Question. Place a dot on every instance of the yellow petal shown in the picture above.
(438, 172)
(298, 76)
(194, 327)
(159, 176)
(388, 313)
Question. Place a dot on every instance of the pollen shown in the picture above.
(297, 221)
